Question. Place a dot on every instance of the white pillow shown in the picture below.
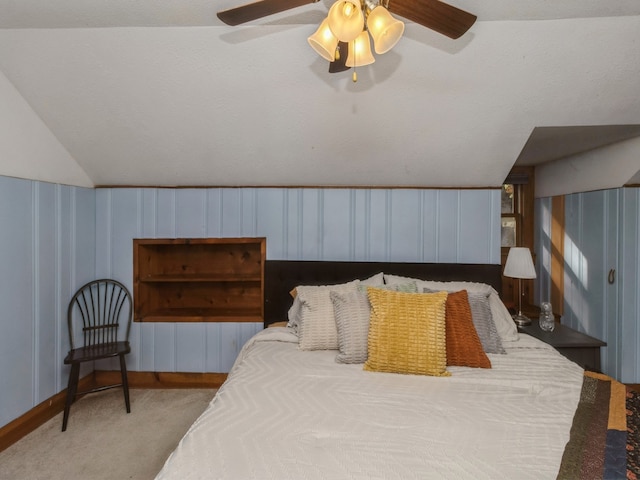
(505, 325)
(473, 287)
(374, 280)
(315, 319)
(409, 287)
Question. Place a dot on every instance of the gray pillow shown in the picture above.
(351, 312)
(483, 321)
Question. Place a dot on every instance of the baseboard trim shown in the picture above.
(38, 415)
(162, 379)
(41, 413)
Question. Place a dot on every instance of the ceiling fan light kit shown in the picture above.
(346, 20)
(351, 22)
(344, 37)
(385, 30)
(324, 42)
(360, 51)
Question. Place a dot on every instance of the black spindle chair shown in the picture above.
(103, 309)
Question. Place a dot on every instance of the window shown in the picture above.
(509, 232)
(517, 226)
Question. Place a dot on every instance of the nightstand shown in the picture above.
(576, 346)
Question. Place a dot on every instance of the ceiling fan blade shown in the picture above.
(339, 65)
(434, 14)
(255, 10)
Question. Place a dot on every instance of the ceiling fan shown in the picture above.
(433, 14)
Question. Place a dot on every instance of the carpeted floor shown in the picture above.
(102, 441)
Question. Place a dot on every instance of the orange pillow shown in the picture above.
(464, 348)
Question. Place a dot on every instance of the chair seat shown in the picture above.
(95, 352)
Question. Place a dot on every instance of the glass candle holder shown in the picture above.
(546, 321)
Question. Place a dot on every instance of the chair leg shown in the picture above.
(125, 382)
(72, 389)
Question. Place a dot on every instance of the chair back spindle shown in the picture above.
(102, 307)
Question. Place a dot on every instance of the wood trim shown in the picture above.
(296, 187)
(208, 279)
(527, 210)
(45, 411)
(38, 415)
(557, 254)
(162, 379)
(523, 179)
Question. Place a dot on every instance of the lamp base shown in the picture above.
(521, 320)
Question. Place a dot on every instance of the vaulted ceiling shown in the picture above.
(193, 13)
(160, 92)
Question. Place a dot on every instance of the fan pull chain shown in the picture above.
(354, 77)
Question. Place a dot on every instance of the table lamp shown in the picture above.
(520, 265)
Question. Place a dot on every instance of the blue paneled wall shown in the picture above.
(47, 249)
(301, 224)
(54, 238)
(628, 325)
(602, 234)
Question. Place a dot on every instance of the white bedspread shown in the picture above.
(290, 414)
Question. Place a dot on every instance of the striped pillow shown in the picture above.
(316, 321)
(352, 321)
(483, 321)
(352, 311)
(464, 348)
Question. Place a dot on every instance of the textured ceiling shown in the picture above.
(159, 92)
(551, 143)
(128, 13)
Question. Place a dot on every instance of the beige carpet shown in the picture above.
(102, 441)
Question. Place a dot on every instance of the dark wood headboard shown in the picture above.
(281, 276)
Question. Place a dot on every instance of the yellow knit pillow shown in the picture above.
(407, 333)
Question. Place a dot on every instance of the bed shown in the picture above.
(305, 401)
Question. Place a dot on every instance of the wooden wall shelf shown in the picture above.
(199, 279)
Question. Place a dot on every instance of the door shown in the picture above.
(591, 277)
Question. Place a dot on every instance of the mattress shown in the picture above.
(284, 413)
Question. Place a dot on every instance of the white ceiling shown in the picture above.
(156, 13)
(160, 92)
(551, 143)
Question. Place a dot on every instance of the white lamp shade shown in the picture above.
(384, 29)
(346, 20)
(360, 51)
(519, 263)
(324, 42)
